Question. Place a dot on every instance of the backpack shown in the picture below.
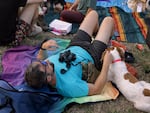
(24, 99)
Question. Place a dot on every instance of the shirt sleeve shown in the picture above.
(74, 89)
(80, 89)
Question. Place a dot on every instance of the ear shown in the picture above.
(121, 52)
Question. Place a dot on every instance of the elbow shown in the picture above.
(97, 90)
(93, 90)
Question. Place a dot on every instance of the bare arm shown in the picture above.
(99, 84)
(34, 1)
(48, 45)
(74, 5)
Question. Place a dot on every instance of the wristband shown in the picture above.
(42, 44)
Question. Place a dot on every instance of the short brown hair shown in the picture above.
(34, 76)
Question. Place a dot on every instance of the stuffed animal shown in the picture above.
(134, 90)
(137, 5)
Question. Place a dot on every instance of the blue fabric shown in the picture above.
(27, 100)
(109, 3)
(76, 87)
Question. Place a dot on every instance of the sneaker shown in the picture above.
(35, 30)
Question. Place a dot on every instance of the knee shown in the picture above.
(93, 13)
(109, 19)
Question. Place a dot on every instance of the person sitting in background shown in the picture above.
(17, 20)
(78, 10)
(63, 70)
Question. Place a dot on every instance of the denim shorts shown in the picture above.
(95, 47)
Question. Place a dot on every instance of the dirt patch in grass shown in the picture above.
(120, 105)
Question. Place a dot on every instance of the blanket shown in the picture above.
(129, 26)
(110, 3)
(16, 60)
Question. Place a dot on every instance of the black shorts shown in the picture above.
(95, 48)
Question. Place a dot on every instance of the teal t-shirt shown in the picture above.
(85, 4)
(70, 84)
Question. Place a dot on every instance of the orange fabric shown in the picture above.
(118, 44)
(67, 6)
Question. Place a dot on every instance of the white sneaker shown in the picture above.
(35, 30)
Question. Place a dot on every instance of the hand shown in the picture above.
(50, 45)
(71, 9)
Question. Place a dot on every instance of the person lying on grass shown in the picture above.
(63, 71)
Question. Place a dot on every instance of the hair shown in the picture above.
(34, 76)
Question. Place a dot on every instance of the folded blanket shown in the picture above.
(109, 92)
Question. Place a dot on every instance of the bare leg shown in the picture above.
(29, 12)
(90, 23)
(106, 30)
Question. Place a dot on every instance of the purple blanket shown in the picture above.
(15, 61)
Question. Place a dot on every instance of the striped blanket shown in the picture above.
(129, 27)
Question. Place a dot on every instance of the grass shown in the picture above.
(120, 105)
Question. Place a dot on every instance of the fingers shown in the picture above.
(50, 45)
(52, 48)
